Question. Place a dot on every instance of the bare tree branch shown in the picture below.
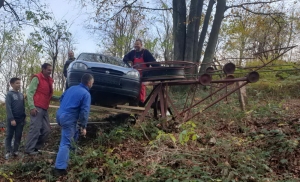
(261, 13)
(12, 10)
(126, 6)
(136, 7)
(142, 7)
(252, 3)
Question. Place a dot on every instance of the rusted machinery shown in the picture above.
(167, 74)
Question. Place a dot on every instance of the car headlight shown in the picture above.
(134, 74)
(79, 66)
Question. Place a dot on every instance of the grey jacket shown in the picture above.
(15, 106)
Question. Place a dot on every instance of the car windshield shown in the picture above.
(102, 59)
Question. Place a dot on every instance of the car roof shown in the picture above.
(112, 57)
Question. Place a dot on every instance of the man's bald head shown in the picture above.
(71, 54)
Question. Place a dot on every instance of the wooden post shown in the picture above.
(242, 96)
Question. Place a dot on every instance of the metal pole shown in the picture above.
(217, 101)
(53, 124)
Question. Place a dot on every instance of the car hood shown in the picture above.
(104, 65)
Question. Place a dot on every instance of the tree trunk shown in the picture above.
(190, 34)
(197, 26)
(179, 27)
(242, 96)
(1, 3)
(204, 29)
(166, 39)
(54, 58)
(9, 75)
(213, 37)
(243, 45)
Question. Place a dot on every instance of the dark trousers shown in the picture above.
(39, 131)
(12, 131)
(66, 86)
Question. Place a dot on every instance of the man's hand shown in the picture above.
(55, 98)
(130, 63)
(34, 112)
(83, 131)
(13, 123)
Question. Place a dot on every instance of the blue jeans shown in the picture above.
(69, 135)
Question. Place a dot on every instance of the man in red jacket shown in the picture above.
(39, 94)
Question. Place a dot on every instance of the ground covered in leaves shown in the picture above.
(222, 144)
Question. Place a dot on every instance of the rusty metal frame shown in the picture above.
(160, 99)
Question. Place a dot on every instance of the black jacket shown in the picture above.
(146, 55)
(68, 62)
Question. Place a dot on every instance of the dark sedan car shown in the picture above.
(114, 83)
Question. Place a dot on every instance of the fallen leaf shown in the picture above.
(282, 124)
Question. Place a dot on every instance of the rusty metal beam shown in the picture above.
(273, 59)
(218, 100)
(150, 100)
(216, 91)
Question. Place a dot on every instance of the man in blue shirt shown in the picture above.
(74, 106)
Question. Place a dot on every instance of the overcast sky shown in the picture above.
(70, 11)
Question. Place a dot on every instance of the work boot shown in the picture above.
(38, 151)
(141, 104)
(134, 103)
(7, 156)
(59, 172)
(15, 154)
(35, 152)
(32, 153)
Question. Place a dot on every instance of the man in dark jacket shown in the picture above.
(74, 106)
(139, 53)
(137, 58)
(71, 58)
